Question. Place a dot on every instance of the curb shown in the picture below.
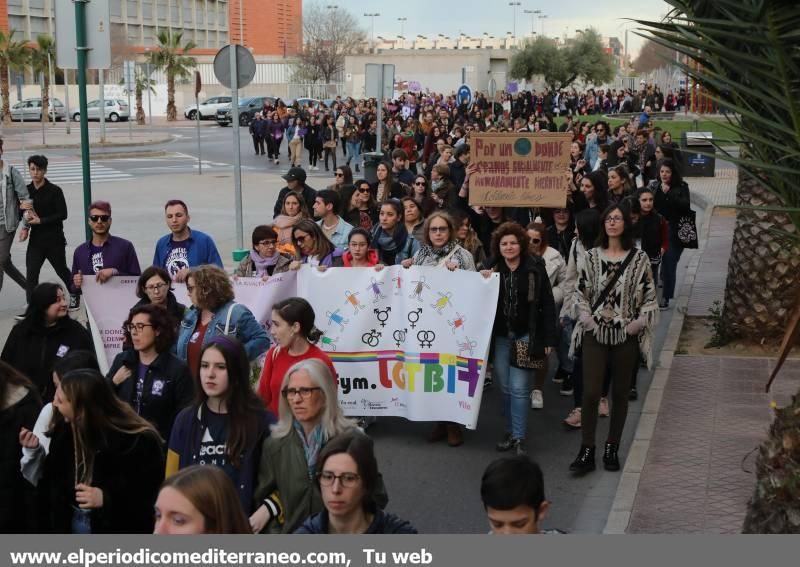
(622, 506)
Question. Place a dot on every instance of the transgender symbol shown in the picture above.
(418, 288)
(469, 345)
(413, 317)
(426, 338)
(375, 288)
(372, 338)
(443, 301)
(399, 336)
(337, 318)
(351, 298)
(382, 315)
(456, 323)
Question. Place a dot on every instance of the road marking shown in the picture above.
(69, 172)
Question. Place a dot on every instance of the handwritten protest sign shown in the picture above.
(520, 169)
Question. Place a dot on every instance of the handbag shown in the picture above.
(687, 230)
(520, 356)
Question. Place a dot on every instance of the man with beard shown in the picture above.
(104, 255)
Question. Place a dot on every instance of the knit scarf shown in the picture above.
(262, 263)
(430, 256)
(312, 445)
(390, 243)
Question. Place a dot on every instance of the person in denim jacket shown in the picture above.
(214, 313)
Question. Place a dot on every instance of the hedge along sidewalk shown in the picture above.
(628, 486)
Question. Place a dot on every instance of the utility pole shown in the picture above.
(533, 14)
(402, 21)
(541, 19)
(80, 41)
(372, 15)
(514, 10)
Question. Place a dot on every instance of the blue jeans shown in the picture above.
(353, 151)
(81, 521)
(515, 387)
(669, 265)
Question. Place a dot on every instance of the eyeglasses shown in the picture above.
(301, 239)
(363, 189)
(155, 287)
(439, 229)
(102, 218)
(346, 480)
(304, 393)
(138, 327)
(339, 174)
(614, 220)
(268, 243)
(419, 183)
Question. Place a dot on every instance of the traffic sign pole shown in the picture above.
(80, 35)
(237, 158)
(198, 85)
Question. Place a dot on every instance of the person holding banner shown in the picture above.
(264, 259)
(228, 425)
(309, 417)
(296, 339)
(524, 327)
(214, 312)
(313, 247)
(148, 377)
(183, 248)
(413, 217)
(360, 253)
(154, 287)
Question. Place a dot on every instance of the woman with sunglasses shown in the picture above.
(309, 416)
(227, 425)
(293, 210)
(313, 247)
(359, 205)
(343, 176)
(390, 238)
(421, 193)
(149, 378)
(264, 259)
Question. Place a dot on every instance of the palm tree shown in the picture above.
(142, 84)
(41, 57)
(746, 54)
(13, 56)
(171, 57)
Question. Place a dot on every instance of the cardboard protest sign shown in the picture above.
(519, 169)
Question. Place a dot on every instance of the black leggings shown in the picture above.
(313, 155)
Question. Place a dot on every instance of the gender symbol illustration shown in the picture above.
(443, 301)
(329, 343)
(426, 338)
(371, 338)
(456, 323)
(352, 299)
(382, 315)
(337, 318)
(413, 317)
(469, 345)
(418, 287)
(399, 336)
(375, 288)
(399, 285)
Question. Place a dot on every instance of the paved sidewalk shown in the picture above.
(56, 136)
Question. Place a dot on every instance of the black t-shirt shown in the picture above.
(212, 443)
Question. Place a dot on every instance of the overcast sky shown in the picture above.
(452, 17)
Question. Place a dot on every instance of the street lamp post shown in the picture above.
(514, 9)
(541, 19)
(402, 21)
(533, 19)
(372, 15)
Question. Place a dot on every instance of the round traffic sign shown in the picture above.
(464, 95)
(245, 65)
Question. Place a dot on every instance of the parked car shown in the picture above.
(31, 109)
(208, 108)
(116, 110)
(247, 110)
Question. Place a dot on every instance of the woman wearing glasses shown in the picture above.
(343, 176)
(149, 378)
(348, 479)
(421, 193)
(615, 302)
(264, 259)
(359, 205)
(154, 288)
(228, 425)
(296, 339)
(309, 416)
(313, 247)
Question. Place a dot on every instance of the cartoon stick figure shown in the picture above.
(352, 299)
(329, 343)
(398, 284)
(418, 287)
(456, 323)
(443, 301)
(469, 345)
(375, 288)
(337, 318)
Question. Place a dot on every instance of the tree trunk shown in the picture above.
(46, 99)
(4, 87)
(140, 116)
(764, 268)
(172, 113)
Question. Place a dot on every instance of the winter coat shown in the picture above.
(247, 269)
(382, 523)
(556, 272)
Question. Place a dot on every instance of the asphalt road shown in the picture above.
(434, 486)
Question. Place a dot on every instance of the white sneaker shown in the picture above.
(537, 401)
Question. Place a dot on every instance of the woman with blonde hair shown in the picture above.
(199, 500)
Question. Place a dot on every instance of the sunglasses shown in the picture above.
(536, 240)
(438, 229)
(419, 183)
(301, 239)
(102, 218)
(337, 174)
(363, 190)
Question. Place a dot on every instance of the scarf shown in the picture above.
(312, 445)
(436, 185)
(262, 263)
(430, 256)
(390, 243)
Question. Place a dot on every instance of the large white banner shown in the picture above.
(107, 305)
(405, 342)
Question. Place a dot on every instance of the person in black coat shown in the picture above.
(672, 201)
(153, 381)
(105, 464)
(45, 334)
(19, 408)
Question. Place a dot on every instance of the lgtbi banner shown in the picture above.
(107, 305)
(410, 342)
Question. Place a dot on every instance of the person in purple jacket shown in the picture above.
(104, 255)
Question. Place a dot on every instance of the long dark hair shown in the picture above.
(677, 180)
(9, 377)
(245, 409)
(361, 449)
(587, 222)
(43, 296)
(298, 310)
(626, 238)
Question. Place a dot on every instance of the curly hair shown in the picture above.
(161, 321)
(513, 229)
(151, 272)
(213, 286)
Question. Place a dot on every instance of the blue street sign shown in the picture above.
(464, 95)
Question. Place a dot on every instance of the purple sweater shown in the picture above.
(117, 253)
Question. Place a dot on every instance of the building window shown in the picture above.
(147, 10)
(115, 9)
(133, 10)
(188, 12)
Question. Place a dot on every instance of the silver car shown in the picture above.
(116, 110)
(31, 109)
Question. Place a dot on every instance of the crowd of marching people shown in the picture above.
(176, 438)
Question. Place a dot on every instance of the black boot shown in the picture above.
(584, 463)
(610, 457)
